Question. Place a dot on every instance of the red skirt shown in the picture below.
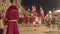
(24, 20)
(12, 28)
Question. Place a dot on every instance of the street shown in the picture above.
(39, 30)
(31, 30)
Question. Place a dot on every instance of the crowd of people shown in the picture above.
(53, 24)
(11, 19)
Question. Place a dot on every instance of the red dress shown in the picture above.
(12, 16)
(32, 19)
(24, 19)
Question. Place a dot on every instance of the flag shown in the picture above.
(41, 12)
(33, 10)
(42, 15)
(32, 15)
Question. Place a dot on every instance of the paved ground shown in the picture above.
(39, 30)
(31, 30)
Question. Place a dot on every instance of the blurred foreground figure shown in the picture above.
(1, 24)
(12, 16)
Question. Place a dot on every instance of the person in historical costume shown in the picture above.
(54, 23)
(1, 24)
(36, 19)
(35, 22)
(32, 18)
(24, 18)
(12, 16)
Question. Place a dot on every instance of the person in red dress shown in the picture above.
(32, 15)
(35, 22)
(24, 18)
(32, 19)
(12, 16)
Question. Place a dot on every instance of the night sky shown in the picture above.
(45, 4)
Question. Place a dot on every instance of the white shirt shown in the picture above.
(36, 18)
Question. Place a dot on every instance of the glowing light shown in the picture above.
(57, 10)
(49, 12)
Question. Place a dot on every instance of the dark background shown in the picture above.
(45, 4)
